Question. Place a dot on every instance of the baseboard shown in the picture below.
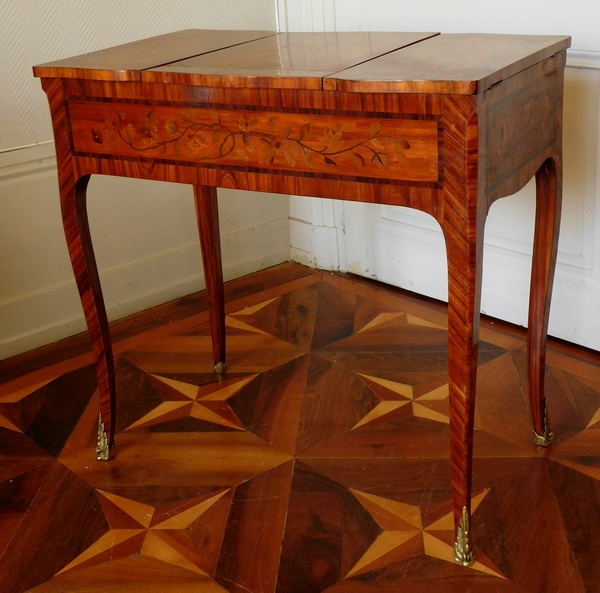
(35, 319)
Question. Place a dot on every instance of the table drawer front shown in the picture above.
(399, 149)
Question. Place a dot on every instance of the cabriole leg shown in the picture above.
(81, 252)
(545, 245)
(465, 253)
(207, 212)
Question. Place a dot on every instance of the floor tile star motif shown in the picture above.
(427, 401)
(385, 318)
(159, 533)
(182, 399)
(402, 523)
(238, 319)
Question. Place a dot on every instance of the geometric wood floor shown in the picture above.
(318, 462)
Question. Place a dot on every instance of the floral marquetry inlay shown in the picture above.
(386, 148)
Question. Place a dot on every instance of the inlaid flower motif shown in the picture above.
(280, 145)
(247, 124)
(332, 138)
(147, 129)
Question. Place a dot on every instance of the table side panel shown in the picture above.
(522, 118)
(396, 149)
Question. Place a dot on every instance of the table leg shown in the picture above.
(545, 246)
(207, 212)
(464, 244)
(81, 252)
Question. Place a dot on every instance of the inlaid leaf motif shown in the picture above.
(188, 116)
(242, 155)
(330, 161)
(377, 144)
(308, 159)
(272, 123)
(217, 136)
(227, 145)
(375, 129)
(215, 117)
(358, 159)
(400, 156)
(96, 137)
(248, 143)
(305, 131)
(289, 158)
(171, 126)
(380, 160)
(130, 132)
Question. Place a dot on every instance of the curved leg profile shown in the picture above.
(464, 243)
(463, 220)
(207, 212)
(545, 246)
(79, 243)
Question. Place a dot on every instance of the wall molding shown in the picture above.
(583, 59)
(22, 159)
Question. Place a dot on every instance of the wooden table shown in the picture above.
(446, 124)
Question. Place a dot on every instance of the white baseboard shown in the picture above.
(30, 320)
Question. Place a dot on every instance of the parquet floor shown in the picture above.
(319, 462)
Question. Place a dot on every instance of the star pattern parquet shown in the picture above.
(318, 462)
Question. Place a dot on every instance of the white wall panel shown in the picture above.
(405, 247)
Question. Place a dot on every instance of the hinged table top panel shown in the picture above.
(125, 62)
(289, 60)
(463, 64)
(380, 62)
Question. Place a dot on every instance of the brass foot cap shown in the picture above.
(463, 550)
(220, 368)
(464, 560)
(105, 454)
(543, 440)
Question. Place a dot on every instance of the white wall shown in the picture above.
(144, 233)
(405, 247)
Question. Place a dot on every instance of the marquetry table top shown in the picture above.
(347, 61)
